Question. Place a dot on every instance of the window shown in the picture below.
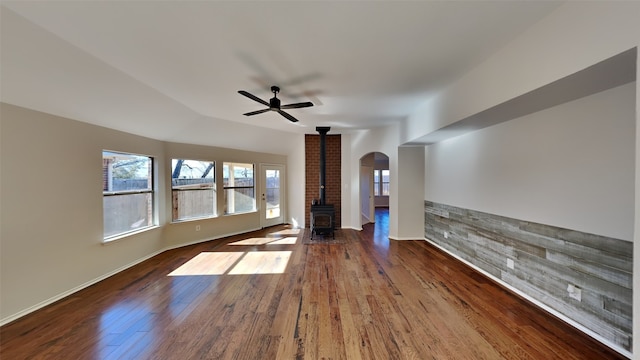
(193, 189)
(239, 189)
(380, 182)
(127, 189)
(385, 182)
(272, 187)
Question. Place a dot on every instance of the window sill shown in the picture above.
(242, 213)
(182, 221)
(127, 235)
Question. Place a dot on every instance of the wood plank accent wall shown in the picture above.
(547, 260)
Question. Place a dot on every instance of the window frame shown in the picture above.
(376, 182)
(379, 185)
(384, 184)
(213, 188)
(226, 187)
(151, 191)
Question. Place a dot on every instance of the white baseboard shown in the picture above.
(402, 238)
(352, 228)
(62, 295)
(209, 239)
(538, 303)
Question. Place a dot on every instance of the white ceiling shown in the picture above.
(168, 69)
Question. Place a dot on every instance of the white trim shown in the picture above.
(402, 238)
(366, 216)
(351, 228)
(129, 234)
(538, 303)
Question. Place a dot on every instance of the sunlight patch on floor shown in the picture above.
(219, 263)
(266, 241)
(291, 240)
(262, 262)
(285, 232)
(208, 263)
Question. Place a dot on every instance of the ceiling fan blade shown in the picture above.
(291, 118)
(297, 105)
(312, 95)
(256, 112)
(253, 97)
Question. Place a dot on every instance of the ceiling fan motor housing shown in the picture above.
(274, 103)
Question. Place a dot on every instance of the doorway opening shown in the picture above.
(374, 185)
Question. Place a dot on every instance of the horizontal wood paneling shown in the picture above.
(547, 259)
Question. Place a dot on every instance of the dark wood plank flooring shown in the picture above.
(360, 297)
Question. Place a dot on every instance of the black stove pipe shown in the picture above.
(323, 162)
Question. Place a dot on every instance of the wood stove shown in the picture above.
(323, 220)
(323, 215)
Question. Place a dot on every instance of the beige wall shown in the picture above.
(51, 207)
(178, 234)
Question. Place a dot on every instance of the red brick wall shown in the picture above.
(333, 177)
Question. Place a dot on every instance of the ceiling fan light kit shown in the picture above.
(274, 104)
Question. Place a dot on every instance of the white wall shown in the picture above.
(384, 140)
(296, 182)
(570, 166)
(410, 193)
(350, 183)
(575, 36)
(51, 205)
(366, 194)
(572, 38)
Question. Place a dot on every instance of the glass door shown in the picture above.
(272, 195)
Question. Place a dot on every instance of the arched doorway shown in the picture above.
(374, 185)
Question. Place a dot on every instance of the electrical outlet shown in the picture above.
(574, 292)
(197, 227)
(511, 264)
(446, 235)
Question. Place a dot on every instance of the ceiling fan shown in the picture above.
(274, 104)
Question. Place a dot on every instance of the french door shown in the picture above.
(272, 192)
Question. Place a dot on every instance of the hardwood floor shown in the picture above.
(266, 296)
